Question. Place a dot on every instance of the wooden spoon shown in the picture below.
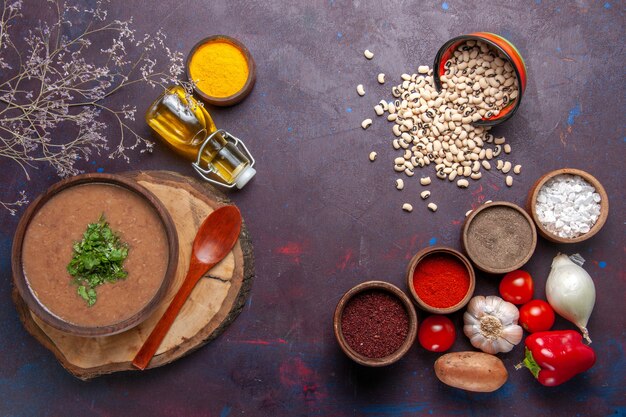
(216, 237)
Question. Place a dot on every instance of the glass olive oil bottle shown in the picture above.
(188, 129)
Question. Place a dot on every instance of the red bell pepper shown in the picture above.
(557, 356)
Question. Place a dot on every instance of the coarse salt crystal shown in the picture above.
(568, 206)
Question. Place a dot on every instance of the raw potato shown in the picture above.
(471, 371)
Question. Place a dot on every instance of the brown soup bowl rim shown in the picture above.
(411, 314)
(19, 278)
(424, 253)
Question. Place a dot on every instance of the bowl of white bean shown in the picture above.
(488, 74)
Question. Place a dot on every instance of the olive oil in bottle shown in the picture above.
(187, 128)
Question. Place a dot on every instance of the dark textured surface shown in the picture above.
(323, 218)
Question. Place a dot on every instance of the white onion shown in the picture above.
(571, 292)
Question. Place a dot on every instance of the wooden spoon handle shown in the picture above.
(152, 343)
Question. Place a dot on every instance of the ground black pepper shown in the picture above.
(375, 323)
(499, 237)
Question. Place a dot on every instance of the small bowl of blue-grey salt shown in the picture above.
(568, 205)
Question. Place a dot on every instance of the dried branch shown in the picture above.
(53, 105)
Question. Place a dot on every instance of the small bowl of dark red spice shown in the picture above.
(499, 237)
(440, 279)
(375, 323)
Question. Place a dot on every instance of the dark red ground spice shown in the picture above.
(375, 323)
(441, 280)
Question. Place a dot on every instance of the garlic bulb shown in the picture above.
(491, 324)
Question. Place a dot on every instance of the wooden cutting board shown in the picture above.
(214, 303)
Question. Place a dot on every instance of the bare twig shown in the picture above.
(59, 81)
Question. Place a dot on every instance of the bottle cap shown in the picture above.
(245, 176)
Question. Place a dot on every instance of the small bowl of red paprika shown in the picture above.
(375, 323)
(440, 279)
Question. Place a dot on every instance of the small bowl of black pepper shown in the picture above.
(375, 323)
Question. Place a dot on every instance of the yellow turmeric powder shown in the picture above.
(219, 69)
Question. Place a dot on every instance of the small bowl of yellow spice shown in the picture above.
(221, 69)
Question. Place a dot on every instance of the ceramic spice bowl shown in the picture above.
(503, 46)
(440, 280)
(604, 204)
(499, 237)
(375, 323)
(198, 53)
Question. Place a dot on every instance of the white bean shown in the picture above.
(463, 183)
(425, 181)
(360, 90)
(381, 78)
(432, 207)
(425, 194)
(407, 207)
(366, 123)
(373, 156)
(509, 180)
(517, 169)
(368, 54)
(399, 184)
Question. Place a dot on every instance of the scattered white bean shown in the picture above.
(432, 207)
(368, 54)
(407, 207)
(373, 156)
(436, 127)
(360, 90)
(463, 183)
(506, 167)
(366, 123)
(517, 169)
(425, 194)
(399, 184)
(509, 180)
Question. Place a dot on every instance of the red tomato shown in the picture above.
(536, 316)
(436, 333)
(517, 287)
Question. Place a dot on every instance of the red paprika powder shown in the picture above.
(441, 280)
